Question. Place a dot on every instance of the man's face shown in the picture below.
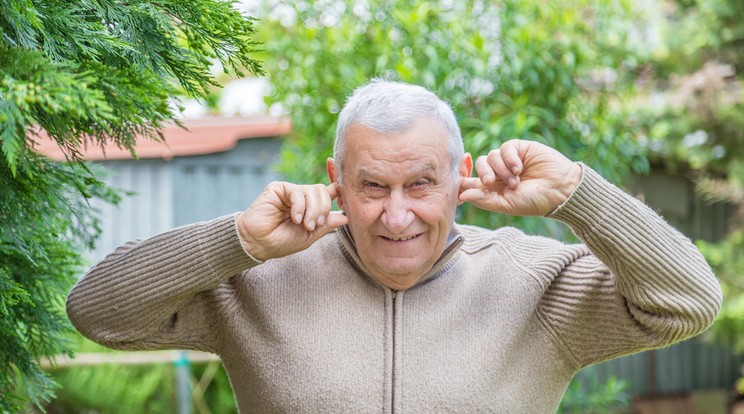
(400, 195)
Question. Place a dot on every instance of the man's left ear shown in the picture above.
(466, 166)
(465, 170)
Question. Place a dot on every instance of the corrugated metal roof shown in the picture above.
(201, 136)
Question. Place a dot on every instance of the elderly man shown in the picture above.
(391, 306)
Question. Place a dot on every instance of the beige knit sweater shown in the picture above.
(500, 324)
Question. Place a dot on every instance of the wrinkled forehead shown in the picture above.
(420, 149)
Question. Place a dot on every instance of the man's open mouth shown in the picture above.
(404, 238)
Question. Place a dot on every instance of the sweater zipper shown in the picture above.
(392, 372)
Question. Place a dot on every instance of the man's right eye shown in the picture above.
(375, 190)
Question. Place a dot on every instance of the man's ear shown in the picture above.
(333, 177)
(465, 171)
(466, 166)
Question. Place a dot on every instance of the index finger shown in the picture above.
(333, 190)
(469, 183)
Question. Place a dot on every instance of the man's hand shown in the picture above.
(522, 178)
(287, 218)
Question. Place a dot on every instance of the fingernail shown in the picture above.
(311, 225)
(298, 217)
(487, 178)
(515, 170)
(321, 220)
(512, 182)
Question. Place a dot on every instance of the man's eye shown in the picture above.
(374, 190)
(420, 184)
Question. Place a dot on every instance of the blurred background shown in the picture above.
(648, 93)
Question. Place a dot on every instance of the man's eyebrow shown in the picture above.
(428, 167)
(364, 172)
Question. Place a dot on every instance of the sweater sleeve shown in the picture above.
(156, 293)
(644, 285)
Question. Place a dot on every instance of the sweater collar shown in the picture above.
(348, 247)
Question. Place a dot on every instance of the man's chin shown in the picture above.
(396, 277)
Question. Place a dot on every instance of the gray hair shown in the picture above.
(393, 107)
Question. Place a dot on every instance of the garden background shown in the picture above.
(631, 88)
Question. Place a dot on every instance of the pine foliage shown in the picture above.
(87, 73)
(103, 70)
(45, 224)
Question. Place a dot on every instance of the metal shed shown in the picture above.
(216, 166)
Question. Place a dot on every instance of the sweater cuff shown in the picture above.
(592, 201)
(221, 248)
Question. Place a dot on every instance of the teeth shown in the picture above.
(402, 238)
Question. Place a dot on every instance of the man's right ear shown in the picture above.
(333, 177)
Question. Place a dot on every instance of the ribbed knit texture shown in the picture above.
(662, 284)
(138, 289)
(500, 325)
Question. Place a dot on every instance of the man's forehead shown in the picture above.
(386, 169)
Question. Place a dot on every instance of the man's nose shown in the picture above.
(397, 214)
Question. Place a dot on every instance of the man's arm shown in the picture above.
(644, 285)
(135, 292)
(153, 293)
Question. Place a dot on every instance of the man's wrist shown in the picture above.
(246, 241)
(568, 186)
